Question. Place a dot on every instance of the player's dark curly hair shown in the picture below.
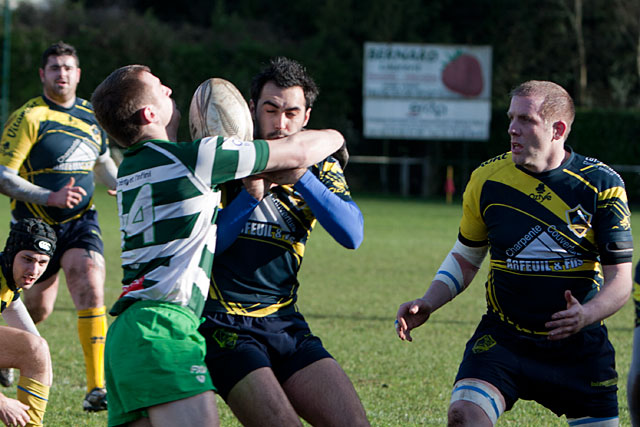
(59, 49)
(285, 73)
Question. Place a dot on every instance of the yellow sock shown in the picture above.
(35, 395)
(92, 329)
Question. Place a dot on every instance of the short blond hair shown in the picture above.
(557, 103)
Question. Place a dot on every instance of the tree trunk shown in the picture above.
(581, 96)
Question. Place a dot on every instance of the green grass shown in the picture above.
(350, 299)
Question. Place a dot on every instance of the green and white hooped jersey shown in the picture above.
(167, 203)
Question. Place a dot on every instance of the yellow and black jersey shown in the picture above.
(48, 144)
(7, 295)
(257, 275)
(545, 233)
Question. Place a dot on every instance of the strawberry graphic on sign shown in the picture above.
(463, 75)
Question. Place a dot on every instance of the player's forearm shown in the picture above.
(232, 218)
(106, 170)
(303, 149)
(437, 295)
(342, 219)
(17, 316)
(318, 145)
(614, 293)
(19, 188)
(448, 283)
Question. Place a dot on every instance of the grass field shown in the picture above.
(350, 299)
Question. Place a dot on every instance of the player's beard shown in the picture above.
(60, 94)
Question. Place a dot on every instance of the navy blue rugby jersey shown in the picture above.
(257, 275)
(544, 232)
(47, 145)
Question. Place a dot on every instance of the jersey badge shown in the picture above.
(97, 136)
(578, 221)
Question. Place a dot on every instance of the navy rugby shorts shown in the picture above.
(575, 376)
(83, 233)
(238, 345)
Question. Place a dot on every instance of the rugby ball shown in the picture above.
(218, 108)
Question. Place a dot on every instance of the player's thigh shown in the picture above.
(322, 377)
(20, 348)
(198, 410)
(84, 271)
(258, 400)
(235, 348)
(323, 394)
(579, 379)
(140, 422)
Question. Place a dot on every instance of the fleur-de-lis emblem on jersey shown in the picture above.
(578, 221)
(540, 188)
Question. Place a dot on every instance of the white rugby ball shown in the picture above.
(218, 108)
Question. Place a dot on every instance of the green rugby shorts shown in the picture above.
(153, 355)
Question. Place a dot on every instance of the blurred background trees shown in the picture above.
(592, 48)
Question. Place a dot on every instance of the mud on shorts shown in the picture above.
(575, 376)
(83, 233)
(153, 355)
(238, 345)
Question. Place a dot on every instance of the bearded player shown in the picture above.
(52, 147)
(264, 360)
(167, 202)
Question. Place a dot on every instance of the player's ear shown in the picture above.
(147, 115)
(41, 72)
(252, 108)
(559, 129)
(307, 115)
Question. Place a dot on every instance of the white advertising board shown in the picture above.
(414, 91)
(427, 119)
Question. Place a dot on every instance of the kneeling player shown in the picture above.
(29, 247)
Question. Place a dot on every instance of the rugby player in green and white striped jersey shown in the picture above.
(167, 202)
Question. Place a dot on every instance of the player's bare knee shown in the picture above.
(460, 414)
(456, 416)
(36, 351)
(37, 347)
